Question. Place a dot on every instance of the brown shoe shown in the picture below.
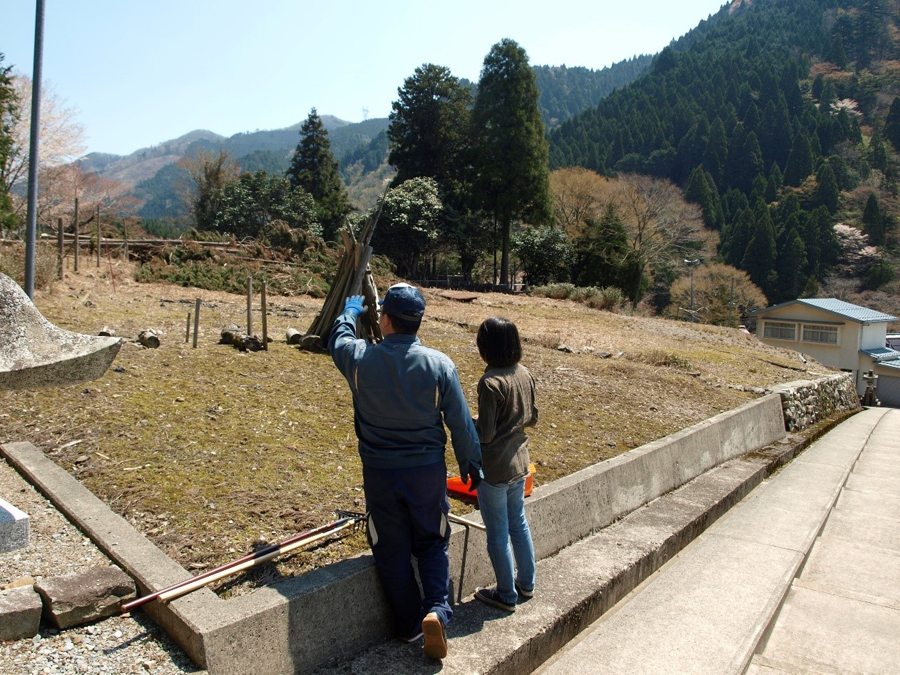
(435, 642)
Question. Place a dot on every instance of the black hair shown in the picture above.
(498, 342)
(404, 326)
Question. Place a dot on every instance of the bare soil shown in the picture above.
(211, 451)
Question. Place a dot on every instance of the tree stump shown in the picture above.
(149, 339)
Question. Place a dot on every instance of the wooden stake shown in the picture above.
(187, 329)
(196, 320)
(59, 246)
(249, 305)
(265, 323)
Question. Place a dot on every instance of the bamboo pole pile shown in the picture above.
(353, 278)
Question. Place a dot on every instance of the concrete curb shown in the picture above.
(294, 626)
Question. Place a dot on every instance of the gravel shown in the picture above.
(119, 645)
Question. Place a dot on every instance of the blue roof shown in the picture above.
(881, 353)
(890, 364)
(840, 308)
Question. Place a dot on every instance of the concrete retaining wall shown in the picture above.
(333, 612)
(806, 402)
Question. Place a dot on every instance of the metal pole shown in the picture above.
(98, 235)
(31, 217)
(77, 242)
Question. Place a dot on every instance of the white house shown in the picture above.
(837, 334)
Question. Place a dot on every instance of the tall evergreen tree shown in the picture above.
(873, 221)
(314, 168)
(791, 263)
(736, 237)
(512, 156)
(760, 256)
(702, 191)
(800, 161)
(429, 126)
(892, 124)
(828, 194)
(836, 53)
(716, 154)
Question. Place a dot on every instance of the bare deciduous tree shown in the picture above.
(577, 196)
(661, 226)
(61, 138)
(209, 172)
(721, 295)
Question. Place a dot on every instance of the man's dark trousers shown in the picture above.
(408, 517)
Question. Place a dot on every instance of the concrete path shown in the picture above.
(805, 571)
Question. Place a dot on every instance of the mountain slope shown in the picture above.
(774, 102)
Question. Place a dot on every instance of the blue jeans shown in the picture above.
(503, 510)
(408, 517)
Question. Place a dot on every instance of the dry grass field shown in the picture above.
(210, 450)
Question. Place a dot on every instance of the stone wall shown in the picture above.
(805, 402)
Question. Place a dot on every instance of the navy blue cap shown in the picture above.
(403, 301)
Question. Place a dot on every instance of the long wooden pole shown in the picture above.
(249, 305)
(196, 321)
(60, 252)
(265, 319)
(302, 538)
(200, 583)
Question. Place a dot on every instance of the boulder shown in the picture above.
(77, 599)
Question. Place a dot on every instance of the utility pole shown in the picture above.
(31, 217)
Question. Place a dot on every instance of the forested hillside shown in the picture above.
(780, 118)
(566, 91)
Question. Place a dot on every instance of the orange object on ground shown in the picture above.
(457, 488)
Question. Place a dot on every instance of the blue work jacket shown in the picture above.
(403, 395)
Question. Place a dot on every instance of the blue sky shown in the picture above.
(140, 73)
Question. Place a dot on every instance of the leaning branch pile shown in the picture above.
(353, 278)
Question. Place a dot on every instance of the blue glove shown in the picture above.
(475, 475)
(354, 305)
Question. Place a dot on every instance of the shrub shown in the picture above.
(660, 358)
(607, 297)
(12, 264)
(554, 291)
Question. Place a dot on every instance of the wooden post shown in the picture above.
(59, 246)
(98, 235)
(187, 329)
(125, 237)
(76, 234)
(265, 324)
(196, 320)
(249, 305)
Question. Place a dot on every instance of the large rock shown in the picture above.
(76, 599)
(35, 353)
(20, 613)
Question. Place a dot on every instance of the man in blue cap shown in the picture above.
(403, 395)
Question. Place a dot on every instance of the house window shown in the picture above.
(777, 330)
(827, 335)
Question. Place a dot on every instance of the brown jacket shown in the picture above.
(505, 407)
